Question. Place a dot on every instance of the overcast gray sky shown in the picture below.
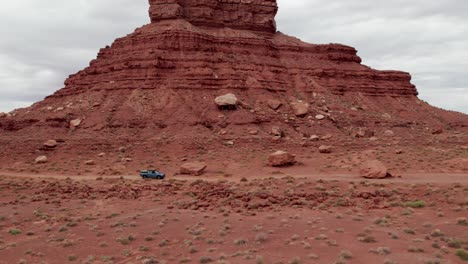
(42, 42)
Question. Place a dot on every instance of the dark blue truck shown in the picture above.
(152, 174)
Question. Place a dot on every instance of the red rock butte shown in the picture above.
(238, 14)
(229, 45)
(154, 89)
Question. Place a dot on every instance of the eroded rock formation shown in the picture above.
(228, 45)
(157, 86)
(258, 15)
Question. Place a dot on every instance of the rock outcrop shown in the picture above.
(215, 44)
(41, 160)
(193, 168)
(374, 169)
(281, 159)
(257, 15)
(75, 123)
(51, 143)
(300, 108)
(227, 100)
(325, 149)
(154, 90)
(274, 104)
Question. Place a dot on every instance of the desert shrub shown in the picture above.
(462, 254)
(205, 260)
(415, 204)
(14, 231)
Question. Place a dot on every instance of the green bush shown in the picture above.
(14, 231)
(415, 204)
(463, 254)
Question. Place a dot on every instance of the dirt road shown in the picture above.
(416, 178)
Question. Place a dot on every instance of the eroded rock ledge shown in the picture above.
(256, 15)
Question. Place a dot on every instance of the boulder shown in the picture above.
(325, 149)
(386, 116)
(364, 133)
(229, 143)
(90, 162)
(300, 108)
(389, 133)
(314, 138)
(277, 131)
(374, 169)
(122, 149)
(281, 158)
(437, 131)
(253, 132)
(75, 123)
(274, 104)
(193, 168)
(51, 143)
(319, 117)
(227, 100)
(41, 160)
(118, 168)
(3, 115)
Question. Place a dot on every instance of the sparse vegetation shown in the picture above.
(261, 238)
(415, 204)
(367, 239)
(462, 221)
(346, 254)
(14, 231)
(126, 240)
(205, 259)
(163, 243)
(462, 254)
(409, 231)
(295, 260)
(218, 217)
(240, 242)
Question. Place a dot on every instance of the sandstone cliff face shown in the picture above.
(240, 14)
(228, 44)
(175, 54)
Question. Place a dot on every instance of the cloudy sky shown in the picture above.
(42, 42)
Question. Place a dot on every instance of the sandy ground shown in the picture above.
(418, 218)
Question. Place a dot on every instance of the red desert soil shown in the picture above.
(214, 82)
(270, 220)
